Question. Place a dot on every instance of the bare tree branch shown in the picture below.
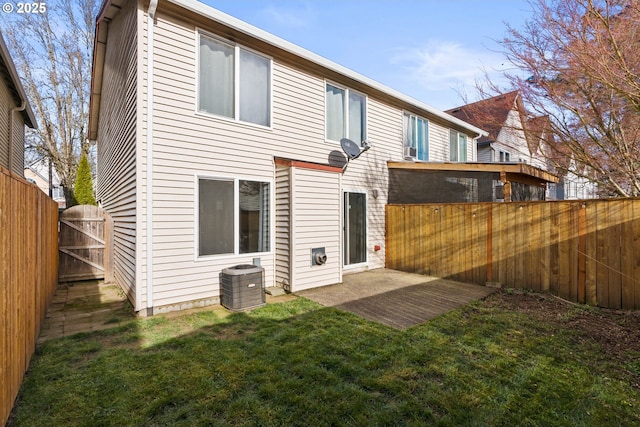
(583, 62)
(52, 52)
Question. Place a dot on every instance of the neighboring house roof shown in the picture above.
(490, 114)
(247, 34)
(8, 71)
(41, 168)
(539, 132)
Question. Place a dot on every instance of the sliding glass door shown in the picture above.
(355, 228)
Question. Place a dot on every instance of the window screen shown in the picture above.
(216, 219)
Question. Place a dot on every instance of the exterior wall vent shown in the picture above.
(318, 256)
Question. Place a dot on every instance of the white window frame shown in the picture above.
(459, 146)
(346, 109)
(57, 192)
(236, 89)
(415, 117)
(236, 217)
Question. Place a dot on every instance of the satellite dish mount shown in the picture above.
(352, 150)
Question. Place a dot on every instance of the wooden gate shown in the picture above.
(81, 244)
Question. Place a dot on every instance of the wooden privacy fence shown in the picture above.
(582, 251)
(28, 277)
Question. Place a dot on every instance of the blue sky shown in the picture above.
(432, 50)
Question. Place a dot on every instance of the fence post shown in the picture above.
(490, 244)
(582, 248)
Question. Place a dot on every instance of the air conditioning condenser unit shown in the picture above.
(242, 287)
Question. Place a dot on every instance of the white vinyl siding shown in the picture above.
(7, 102)
(283, 225)
(512, 140)
(368, 174)
(438, 142)
(315, 219)
(18, 144)
(188, 144)
(116, 145)
(485, 154)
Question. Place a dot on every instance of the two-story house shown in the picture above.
(46, 178)
(219, 144)
(15, 113)
(515, 137)
(504, 118)
(510, 138)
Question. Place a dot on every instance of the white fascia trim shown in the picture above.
(238, 25)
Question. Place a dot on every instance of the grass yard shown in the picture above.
(511, 360)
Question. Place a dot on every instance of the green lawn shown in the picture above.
(299, 364)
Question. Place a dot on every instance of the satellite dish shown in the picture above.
(350, 148)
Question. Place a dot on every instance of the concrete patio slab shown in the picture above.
(395, 298)
(84, 307)
(94, 305)
(390, 297)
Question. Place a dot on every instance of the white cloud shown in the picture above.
(445, 65)
(298, 17)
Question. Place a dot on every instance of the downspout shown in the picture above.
(22, 107)
(151, 16)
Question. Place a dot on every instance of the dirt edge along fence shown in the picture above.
(28, 277)
(585, 251)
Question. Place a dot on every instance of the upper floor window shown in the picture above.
(457, 146)
(233, 82)
(58, 192)
(416, 137)
(505, 157)
(346, 114)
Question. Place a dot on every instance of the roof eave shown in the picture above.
(241, 26)
(108, 10)
(6, 57)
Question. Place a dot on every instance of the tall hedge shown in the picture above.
(83, 187)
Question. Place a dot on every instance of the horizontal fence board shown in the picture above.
(28, 266)
(581, 251)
